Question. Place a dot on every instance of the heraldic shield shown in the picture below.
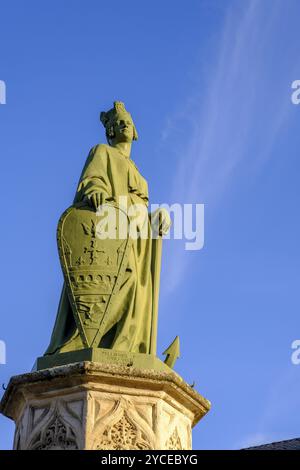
(93, 249)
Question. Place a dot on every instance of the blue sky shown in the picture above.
(209, 86)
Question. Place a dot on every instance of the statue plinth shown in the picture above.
(93, 405)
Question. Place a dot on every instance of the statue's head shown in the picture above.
(118, 124)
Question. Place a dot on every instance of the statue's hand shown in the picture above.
(165, 221)
(96, 199)
(161, 221)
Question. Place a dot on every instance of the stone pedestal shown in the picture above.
(92, 405)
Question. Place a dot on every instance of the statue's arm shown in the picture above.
(94, 185)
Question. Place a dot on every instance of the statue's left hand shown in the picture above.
(161, 221)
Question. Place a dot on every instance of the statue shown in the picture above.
(100, 384)
(110, 294)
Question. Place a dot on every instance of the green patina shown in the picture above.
(109, 302)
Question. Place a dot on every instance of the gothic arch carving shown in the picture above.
(174, 441)
(56, 435)
(123, 428)
(55, 427)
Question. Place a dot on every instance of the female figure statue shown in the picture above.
(108, 174)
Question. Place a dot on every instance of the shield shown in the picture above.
(94, 258)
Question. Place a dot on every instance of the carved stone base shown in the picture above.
(91, 405)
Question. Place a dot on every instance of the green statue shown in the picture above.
(110, 294)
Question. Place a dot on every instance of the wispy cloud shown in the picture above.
(229, 125)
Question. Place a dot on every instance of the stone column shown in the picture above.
(90, 405)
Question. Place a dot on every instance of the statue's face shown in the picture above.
(123, 129)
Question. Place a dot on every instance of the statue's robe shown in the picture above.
(129, 325)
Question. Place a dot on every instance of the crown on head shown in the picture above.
(107, 118)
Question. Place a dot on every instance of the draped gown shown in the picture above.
(129, 326)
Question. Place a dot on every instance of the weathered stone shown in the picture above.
(90, 405)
